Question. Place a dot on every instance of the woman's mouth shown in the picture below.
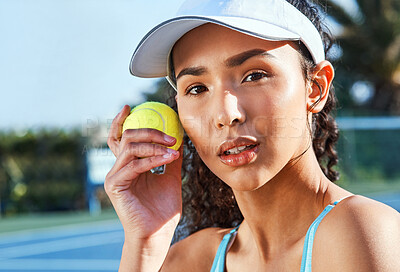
(241, 155)
(237, 150)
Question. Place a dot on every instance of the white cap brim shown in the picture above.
(150, 58)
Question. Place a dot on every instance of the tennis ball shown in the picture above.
(158, 116)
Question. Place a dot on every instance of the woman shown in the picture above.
(253, 93)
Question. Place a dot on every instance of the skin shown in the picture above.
(280, 193)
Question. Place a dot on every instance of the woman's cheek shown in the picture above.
(197, 128)
(298, 127)
(280, 127)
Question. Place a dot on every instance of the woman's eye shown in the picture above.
(195, 90)
(255, 76)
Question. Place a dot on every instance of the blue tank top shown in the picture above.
(227, 241)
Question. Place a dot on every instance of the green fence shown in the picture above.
(369, 152)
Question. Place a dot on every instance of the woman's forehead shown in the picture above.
(209, 40)
(207, 33)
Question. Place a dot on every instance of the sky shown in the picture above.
(64, 63)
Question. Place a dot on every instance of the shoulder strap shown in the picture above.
(219, 260)
(309, 241)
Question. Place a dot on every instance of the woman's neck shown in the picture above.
(277, 215)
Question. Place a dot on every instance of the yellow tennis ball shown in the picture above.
(158, 116)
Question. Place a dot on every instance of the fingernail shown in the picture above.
(168, 138)
(172, 151)
(124, 107)
(166, 156)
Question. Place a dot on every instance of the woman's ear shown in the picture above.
(319, 85)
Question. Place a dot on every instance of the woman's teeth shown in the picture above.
(237, 150)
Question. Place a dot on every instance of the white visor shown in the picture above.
(274, 20)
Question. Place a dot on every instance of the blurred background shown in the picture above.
(64, 76)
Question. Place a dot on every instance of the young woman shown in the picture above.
(254, 95)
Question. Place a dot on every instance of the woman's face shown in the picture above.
(244, 92)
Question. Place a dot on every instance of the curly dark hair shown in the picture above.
(207, 200)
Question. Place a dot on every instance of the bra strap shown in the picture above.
(219, 260)
(308, 243)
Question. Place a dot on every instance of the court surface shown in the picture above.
(81, 247)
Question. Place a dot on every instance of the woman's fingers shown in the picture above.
(134, 151)
(115, 134)
(122, 180)
(147, 135)
(137, 151)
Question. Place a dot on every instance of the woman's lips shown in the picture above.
(243, 158)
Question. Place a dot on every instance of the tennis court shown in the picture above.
(92, 246)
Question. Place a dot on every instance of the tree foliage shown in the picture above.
(162, 92)
(42, 171)
(370, 42)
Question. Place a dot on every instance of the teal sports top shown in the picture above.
(227, 241)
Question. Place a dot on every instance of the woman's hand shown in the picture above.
(148, 205)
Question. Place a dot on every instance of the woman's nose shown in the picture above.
(228, 110)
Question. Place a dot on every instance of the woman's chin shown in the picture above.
(245, 181)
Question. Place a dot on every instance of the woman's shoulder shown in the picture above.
(196, 252)
(358, 233)
(364, 213)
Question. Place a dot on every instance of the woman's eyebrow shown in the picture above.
(231, 62)
(194, 71)
(242, 57)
